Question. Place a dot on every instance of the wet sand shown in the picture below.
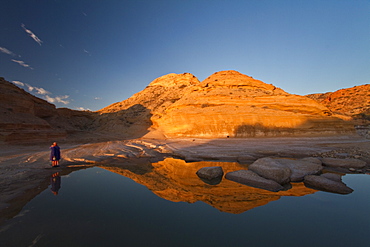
(25, 170)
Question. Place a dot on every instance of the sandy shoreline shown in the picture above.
(25, 169)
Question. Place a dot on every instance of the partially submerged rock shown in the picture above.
(327, 184)
(284, 170)
(271, 169)
(210, 173)
(343, 163)
(250, 178)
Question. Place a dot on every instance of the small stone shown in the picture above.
(352, 169)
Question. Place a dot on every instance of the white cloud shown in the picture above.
(35, 38)
(18, 83)
(82, 109)
(64, 99)
(38, 90)
(41, 91)
(6, 51)
(97, 98)
(29, 87)
(58, 99)
(21, 63)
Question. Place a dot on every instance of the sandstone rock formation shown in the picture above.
(26, 118)
(228, 104)
(354, 101)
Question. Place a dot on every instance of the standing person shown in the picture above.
(54, 154)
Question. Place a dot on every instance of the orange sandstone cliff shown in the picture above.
(226, 104)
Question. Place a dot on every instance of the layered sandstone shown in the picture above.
(228, 104)
(26, 118)
(353, 102)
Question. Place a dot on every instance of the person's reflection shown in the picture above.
(55, 183)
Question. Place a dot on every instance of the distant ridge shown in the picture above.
(225, 105)
(353, 102)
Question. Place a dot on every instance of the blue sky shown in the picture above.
(88, 54)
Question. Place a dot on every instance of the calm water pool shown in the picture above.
(96, 207)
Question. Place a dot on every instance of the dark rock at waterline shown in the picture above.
(301, 168)
(345, 163)
(250, 178)
(326, 184)
(270, 168)
(210, 173)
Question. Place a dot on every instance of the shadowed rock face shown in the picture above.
(230, 104)
(26, 118)
(23, 116)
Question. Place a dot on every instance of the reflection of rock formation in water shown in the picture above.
(175, 180)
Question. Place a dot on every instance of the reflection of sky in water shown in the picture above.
(95, 207)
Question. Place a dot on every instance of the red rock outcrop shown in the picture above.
(353, 102)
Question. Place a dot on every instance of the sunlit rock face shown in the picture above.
(229, 104)
(177, 181)
(354, 101)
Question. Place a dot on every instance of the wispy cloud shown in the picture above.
(37, 90)
(58, 99)
(21, 63)
(29, 87)
(44, 93)
(32, 35)
(97, 98)
(6, 51)
(87, 52)
(41, 91)
(18, 83)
